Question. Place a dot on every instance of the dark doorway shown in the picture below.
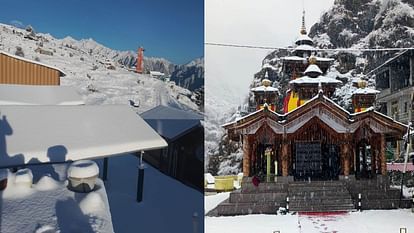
(316, 161)
(363, 160)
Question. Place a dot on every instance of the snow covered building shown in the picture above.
(395, 79)
(159, 75)
(183, 158)
(19, 70)
(312, 139)
(303, 61)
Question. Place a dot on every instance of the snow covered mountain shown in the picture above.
(96, 71)
(352, 24)
(189, 76)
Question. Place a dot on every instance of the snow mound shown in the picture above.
(24, 177)
(46, 183)
(46, 229)
(92, 204)
(209, 178)
(83, 169)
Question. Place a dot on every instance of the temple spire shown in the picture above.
(303, 28)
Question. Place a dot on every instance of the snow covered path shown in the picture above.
(378, 221)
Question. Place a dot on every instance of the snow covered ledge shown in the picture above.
(53, 134)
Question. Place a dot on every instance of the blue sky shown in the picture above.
(173, 29)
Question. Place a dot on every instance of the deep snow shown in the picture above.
(378, 221)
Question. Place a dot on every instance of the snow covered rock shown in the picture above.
(209, 178)
(24, 177)
(92, 204)
(46, 183)
(82, 175)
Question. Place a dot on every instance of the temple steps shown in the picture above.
(314, 196)
(319, 196)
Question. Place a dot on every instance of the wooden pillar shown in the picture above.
(373, 157)
(285, 158)
(346, 157)
(382, 155)
(246, 155)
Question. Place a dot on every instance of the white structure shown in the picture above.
(40, 134)
(159, 75)
(38, 95)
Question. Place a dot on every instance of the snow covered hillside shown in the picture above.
(352, 24)
(95, 72)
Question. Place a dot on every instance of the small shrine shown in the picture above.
(265, 95)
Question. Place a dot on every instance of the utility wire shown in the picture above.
(315, 49)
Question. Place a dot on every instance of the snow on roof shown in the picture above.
(156, 73)
(323, 59)
(303, 37)
(39, 134)
(317, 80)
(83, 169)
(34, 62)
(312, 68)
(38, 95)
(372, 109)
(365, 91)
(294, 58)
(304, 47)
(267, 65)
(171, 122)
(264, 88)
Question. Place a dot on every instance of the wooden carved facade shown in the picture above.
(342, 135)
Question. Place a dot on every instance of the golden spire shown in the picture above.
(312, 60)
(303, 28)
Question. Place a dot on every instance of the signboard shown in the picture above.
(308, 159)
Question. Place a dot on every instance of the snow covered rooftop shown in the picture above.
(365, 91)
(304, 47)
(39, 134)
(312, 68)
(320, 79)
(303, 37)
(38, 95)
(34, 62)
(156, 73)
(324, 59)
(171, 122)
(293, 58)
(264, 88)
(267, 65)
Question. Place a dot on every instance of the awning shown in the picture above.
(39, 134)
(38, 95)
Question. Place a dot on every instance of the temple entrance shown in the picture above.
(316, 160)
(265, 162)
(363, 160)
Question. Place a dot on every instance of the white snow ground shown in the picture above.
(378, 221)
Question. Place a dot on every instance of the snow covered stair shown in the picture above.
(319, 196)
